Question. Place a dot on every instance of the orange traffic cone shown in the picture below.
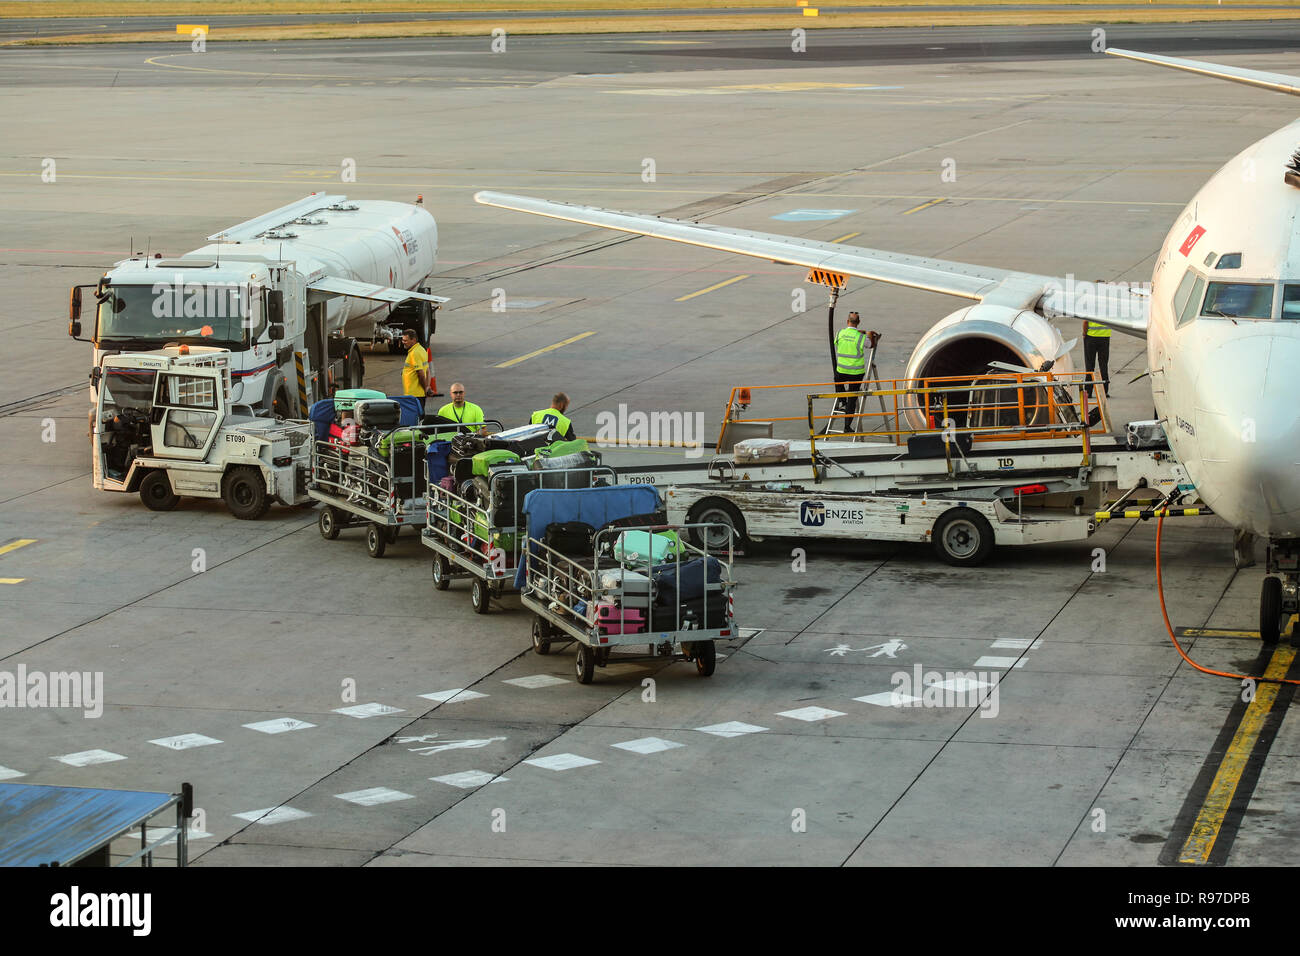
(433, 383)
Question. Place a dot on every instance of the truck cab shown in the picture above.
(165, 426)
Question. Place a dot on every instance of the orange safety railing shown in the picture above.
(993, 407)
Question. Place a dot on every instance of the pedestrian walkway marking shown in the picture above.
(712, 288)
(549, 348)
(924, 205)
(1218, 799)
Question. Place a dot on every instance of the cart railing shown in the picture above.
(383, 480)
(573, 590)
(473, 527)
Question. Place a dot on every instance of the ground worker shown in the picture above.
(555, 417)
(415, 372)
(1096, 352)
(850, 365)
(459, 410)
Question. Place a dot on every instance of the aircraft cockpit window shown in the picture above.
(1229, 260)
(1186, 298)
(1291, 301)
(1238, 300)
(1209, 258)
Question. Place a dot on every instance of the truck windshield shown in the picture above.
(192, 313)
(128, 388)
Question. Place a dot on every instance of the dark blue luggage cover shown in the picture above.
(436, 455)
(411, 406)
(687, 580)
(596, 506)
(321, 415)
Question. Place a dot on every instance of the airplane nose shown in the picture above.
(1247, 425)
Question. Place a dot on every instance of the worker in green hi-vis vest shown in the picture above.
(1096, 352)
(555, 417)
(850, 365)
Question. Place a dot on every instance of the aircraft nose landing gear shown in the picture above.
(1279, 598)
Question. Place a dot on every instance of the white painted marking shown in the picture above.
(441, 745)
(134, 835)
(889, 699)
(536, 680)
(8, 774)
(1018, 643)
(562, 762)
(888, 649)
(811, 714)
(185, 741)
(455, 695)
(732, 728)
(362, 711)
(961, 685)
(273, 815)
(648, 745)
(87, 757)
(374, 796)
(468, 779)
(280, 725)
(1002, 662)
(748, 632)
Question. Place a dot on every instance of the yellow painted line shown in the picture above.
(12, 580)
(1215, 632)
(713, 288)
(15, 545)
(189, 28)
(810, 11)
(549, 348)
(847, 236)
(1204, 832)
(924, 205)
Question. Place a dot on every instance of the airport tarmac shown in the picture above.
(478, 751)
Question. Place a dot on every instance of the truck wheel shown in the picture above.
(962, 537)
(355, 370)
(244, 493)
(705, 657)
(441, 573)
(717, 511)
(156, 491)
(328, 523)
(376, 539)
(585, 664)
(1270, 610)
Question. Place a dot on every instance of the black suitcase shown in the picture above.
(379, 413)
(686, 583)
(571, 538)
(710, 612)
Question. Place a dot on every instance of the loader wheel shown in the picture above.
(585, 664)
(718, 512)
(541, 636)
(478, 595)
(705, 657)
(244, 493)
(328, 523)
(441, 573)
(962, 537)
(156, 492)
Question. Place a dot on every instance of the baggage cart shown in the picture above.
(586, 596)
(478, 531)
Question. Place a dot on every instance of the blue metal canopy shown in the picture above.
(40, 824)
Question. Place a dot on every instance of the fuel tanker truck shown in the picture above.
(280, 292)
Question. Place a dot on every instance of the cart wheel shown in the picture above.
(328, 522)
(541, 636)
(156, 492)
(478, 595)
(705, 657)
(441, 573)
(585, 664)
(376, 540)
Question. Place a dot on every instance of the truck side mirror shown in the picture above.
(74, 312)
(274, 306)
(275, 331)
(96, 374)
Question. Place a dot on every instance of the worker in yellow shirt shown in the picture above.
(415, 373)
(459, 410)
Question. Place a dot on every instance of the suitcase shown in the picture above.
(448, 482)
(571, 538)
(436, 456)
(522, 441)
(345, 399)
(759, 450)
(579, 459)
(701, 613)
(508, 497)
(619, 620)
(484, 460)
(628, 588)
(561, 448)
(382, 414)
(643, 547)
(686, 582)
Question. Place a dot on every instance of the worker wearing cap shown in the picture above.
(555, 417)
(850, 365)
(459, 410)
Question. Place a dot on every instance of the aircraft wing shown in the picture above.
(1024, 290)
(1278, 82)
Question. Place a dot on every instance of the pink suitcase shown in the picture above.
(619, 620)
(448, 482)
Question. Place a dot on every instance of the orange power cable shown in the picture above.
(1160, 589)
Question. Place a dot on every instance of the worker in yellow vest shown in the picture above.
(1096, 352)
(850, 365)
(555, 417)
